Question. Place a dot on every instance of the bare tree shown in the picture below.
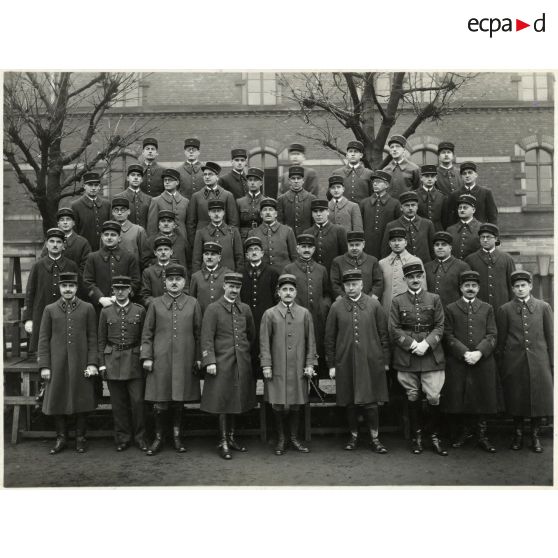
(369, 105)
(50, 123)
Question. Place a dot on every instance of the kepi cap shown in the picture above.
(410, 268)
(285, 279)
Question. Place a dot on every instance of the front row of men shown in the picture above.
(160, 354)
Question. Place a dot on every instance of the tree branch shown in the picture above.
(21, 176)
(97, 79)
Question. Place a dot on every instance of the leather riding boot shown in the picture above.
(517, 440)
(484, 442)
(81, 425)
(463, 431)
(435, 429)
(280, 429)
(415, 423)
(157, 444)
(294, 422)
(535, 432)
(373, 420)
(61, 434)
(233, 443)
(224, 450)
(353, 428)
(177, 411)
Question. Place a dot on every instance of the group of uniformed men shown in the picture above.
(189, 274)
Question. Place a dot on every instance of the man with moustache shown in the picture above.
(356, 177)
(449, 178)
(138, 200)
(191, 172)
(235, 181)
(465, 232)
(249, 205)
(405, 175)
(152, 172)
(432, 203)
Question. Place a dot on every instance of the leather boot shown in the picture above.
(352, 442)
(224, 450)
(233, 443)
(157, 444)
(295, 442)
(435, 429)
(463, 431)
(484, 442)
(517, 440)
(415, 423)
(81, 442)
(61, 434)
(373, 420)
(535, 432)
(179, 445)
(280, 429)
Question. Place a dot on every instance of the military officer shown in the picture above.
(227, 336)
(356, 258)
(377, 211)
(43, 283)
(294, 206)
(235, 180)
(443, 273)
(152, 172)
(288, 357)
(471, 389)
(358, 356)
(432, 203)
(91, 210)
(420, 231)
(405, 175)
(525, 351)
(416, 327)
(342, 211)
(191, 172)
(465, 232)
(297, 156)
(119, 338)
(67, 359)
(168, 227)
(170, 351)
(139, 201)
(356, 177)
(494, 266)
(449, 178)
(249, 205)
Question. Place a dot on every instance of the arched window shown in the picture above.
(424, 157)
(538, 176)
(266, 159)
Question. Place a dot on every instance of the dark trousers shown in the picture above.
(126, 397)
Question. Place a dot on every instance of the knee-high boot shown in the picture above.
(535, 432)
(373, 420)
(233, 442)
(224, 450)
(81, 427)
(294, 420)
(415, 423)
(517, 440)
(177, 412)
(435, 430)
(157, 444)
(280, 430)
(61, 434)
(352, 421)
(484, 442)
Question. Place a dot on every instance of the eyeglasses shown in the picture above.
(120, 209)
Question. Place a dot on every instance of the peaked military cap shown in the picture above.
(355, 145)
(192, 142)
(446, 145)
(468, 199)
(268, 202)
(382, 175)
(121, 281)
(252, 241)
(520, 275)
(162, 241)
(166, 214)
(397, 232)
(175, 269)
(215, 204)
(171, 173)
(352, 275)
(411, 196)
(442, 236)
(55, 232)
(254, 171)
(134, 168)
(469, 275)
(296, 147)
(335, 179)
(211, 166)
(151, 141)
(355, 236)
(111, 226)
(285, 279)
(67, 277)
(232, 277)
(410, 268)
(319, 204)
(306, 239)
(212, 247)
(65, 212)
(91, 177)
(489, 228)
(401, 140)
(428, 169)
(239, 153)
(467, 165)
(296, 171)
(120, 201)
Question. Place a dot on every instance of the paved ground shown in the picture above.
(29, 465)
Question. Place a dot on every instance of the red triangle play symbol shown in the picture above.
(519, 25)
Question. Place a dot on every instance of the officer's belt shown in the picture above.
(125, 347)
(418, 328)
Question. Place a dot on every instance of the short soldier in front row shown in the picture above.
(119, 337)
(471, 385)
(227, 336)
(416, 327)
(170, 350)
(67, 357)
(357, 352)
(525, 351)
(288, 357)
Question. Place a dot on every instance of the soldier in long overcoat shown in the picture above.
(294, 206)
(119, 336)
(342, 211)
(297, 156)
(67, 357)
(227, 336)
(170, 349)
(449, 178)
(249, 205)
(152, 183)
(235, 180)
(432, 203)
(525, 352)
(191, 174)
(356, 177)
(471, 388)
(139, 201)
(358, 356)
(465, 232)
(43, 283)
(168, 227)
(288, 357)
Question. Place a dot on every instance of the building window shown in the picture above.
(260, 89)
(538, 176)
(133, 96)
(424, 157)
(266, 160)
(535, 87)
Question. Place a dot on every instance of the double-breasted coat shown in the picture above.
(249, 213)
(377, 212)
(433, 205)
(89, 217)
(357, 181)
(152, 182)
(486, 209)
(525, 352)
(139, 206)
(191, 179)
(235, 183)
(294, 209)
(207, 286)
(67, 345)
(171, 339)
(278, 243)
(470, 389)
(346, 214)
(449, 180)
(176, 203)
(372, 277)
(232, 254)
(287, 344)
(442, 278)
(43, 289)
(331, 241)
(465, 238)
(227, 336)
(357, 346)
(495, 275)
(417, 317)
(420, 234)
(405, 176)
